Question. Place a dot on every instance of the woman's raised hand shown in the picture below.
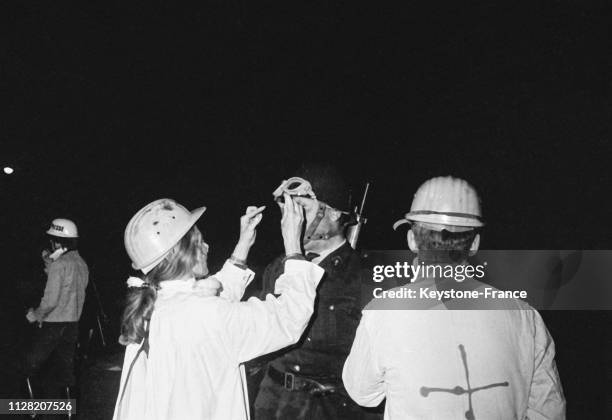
(248, 224)
(291, 225)
(248, 231)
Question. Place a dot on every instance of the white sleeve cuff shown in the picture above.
(311, 270)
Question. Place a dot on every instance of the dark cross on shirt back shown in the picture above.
(458, 390)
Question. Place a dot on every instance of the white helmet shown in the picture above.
(445, 203)
(155, 230)
(63, 228)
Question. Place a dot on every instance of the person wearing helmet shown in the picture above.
(304, 381)
(59, 311)
(452, 358)
(187, 333)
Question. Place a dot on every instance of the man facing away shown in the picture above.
(452, 359)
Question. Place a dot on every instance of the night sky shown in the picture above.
(107, 106)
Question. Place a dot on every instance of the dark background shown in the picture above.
(109, 105)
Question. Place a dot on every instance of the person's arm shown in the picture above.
(546, 399)
(257, 327)
(234, 280)
(362, 375)
(52, 292)
(235, 276)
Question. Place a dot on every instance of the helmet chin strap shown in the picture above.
(310, 234)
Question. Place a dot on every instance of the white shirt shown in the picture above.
(197, 345)
(403, 355)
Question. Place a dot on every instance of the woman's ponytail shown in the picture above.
(137, 313)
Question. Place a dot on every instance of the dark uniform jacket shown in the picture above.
(327, 340)
(321, 352)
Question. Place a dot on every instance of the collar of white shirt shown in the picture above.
(177, 285)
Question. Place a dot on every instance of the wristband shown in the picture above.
(295, 256)
(238, 262)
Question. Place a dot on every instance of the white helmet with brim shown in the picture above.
(155, 230)
(445, 203)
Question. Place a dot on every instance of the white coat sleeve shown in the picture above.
(362, 374)
(234, 281)
(131, 400)
(546, 400)
(257, 327)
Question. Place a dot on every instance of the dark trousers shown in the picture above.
(56, 342)
(274, 402)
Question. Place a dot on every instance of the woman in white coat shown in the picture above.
(185, 341)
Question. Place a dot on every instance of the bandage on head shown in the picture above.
(294, 186)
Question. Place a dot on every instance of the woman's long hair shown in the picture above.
(140, 301)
